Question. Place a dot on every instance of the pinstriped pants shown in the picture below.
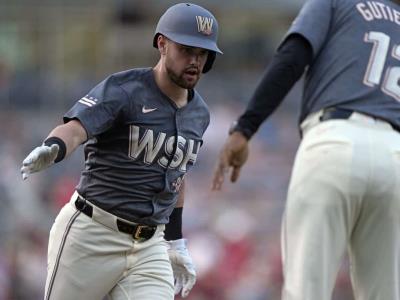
(88, 261)
(344, 193)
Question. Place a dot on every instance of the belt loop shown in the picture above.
(310, 121)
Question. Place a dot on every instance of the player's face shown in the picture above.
(184, 64)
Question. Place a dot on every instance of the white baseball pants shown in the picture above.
(87, 260)
(344, 193)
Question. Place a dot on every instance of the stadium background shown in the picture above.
(52, 52)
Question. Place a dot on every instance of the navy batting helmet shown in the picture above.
(190, 25)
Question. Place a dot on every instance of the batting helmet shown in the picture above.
(190, 25)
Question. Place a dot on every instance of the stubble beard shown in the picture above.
(179, 80)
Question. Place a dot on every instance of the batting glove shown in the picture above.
(182, 266)
(40, 158)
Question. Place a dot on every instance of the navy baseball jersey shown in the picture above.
(140, 145)
(341, 78)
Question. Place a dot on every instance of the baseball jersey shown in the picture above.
(365, 79)
(140, 145)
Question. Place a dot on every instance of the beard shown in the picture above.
(179, 79)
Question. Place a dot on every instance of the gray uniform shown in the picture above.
(141, 145)
(371, 30)
(109, 239)
(345, 185)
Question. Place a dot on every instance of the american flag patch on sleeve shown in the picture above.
(89, 101)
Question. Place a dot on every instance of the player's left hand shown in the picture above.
(182, 266)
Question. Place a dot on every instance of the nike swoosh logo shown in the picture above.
(147, 110)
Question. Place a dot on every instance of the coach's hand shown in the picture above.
(233, 155)
(182, 266)
(40, 158)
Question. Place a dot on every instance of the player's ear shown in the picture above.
(162, 44)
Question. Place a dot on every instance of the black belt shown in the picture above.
(342, 113)
(139, 232)
(335, 113)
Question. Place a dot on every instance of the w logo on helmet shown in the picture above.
(204, 25)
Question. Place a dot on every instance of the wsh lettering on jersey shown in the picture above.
(186, 150)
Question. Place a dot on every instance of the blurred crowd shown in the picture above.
(46, 65)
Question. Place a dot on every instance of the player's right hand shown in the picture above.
(233, 155)
(182, 266)
(40, 158)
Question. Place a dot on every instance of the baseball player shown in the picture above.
(142, 130)
(345, 184)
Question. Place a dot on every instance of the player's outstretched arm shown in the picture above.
(286, 67)
(231, 159)
(61, 142)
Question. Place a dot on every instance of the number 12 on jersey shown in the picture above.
(376, 65)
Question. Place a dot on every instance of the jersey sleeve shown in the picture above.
(100, 109)
(313, 23)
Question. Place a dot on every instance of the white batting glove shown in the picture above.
(183, 267)
(40, 158)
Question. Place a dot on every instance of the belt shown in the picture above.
(139, 232)
(335, 113)
(342, 113)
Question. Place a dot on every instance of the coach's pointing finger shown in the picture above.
(220, 170)
(234, 154)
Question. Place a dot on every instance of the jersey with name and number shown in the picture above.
(140, 145)
(366, 79)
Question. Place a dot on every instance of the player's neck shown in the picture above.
(174, 92)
